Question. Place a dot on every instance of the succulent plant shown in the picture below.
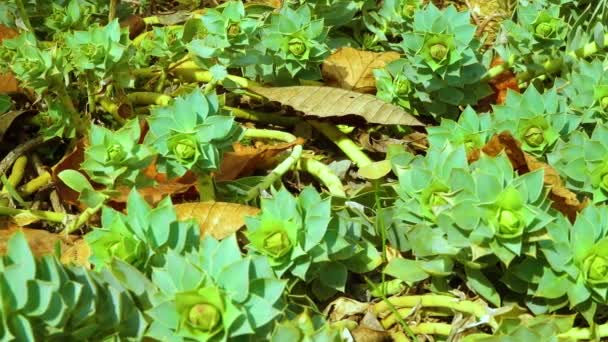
(191, 134)
(471, 130)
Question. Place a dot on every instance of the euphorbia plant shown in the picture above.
(299, 237)
(116, 157)
(192, 133)
(214, 294)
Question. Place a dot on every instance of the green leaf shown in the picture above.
(334, 275)
(406, 270)
(75, 180)
(479, 283)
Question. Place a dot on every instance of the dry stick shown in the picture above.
(10, 158)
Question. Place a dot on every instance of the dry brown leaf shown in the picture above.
(500, 85)
(41, 241)
(352, 69)
(218, 219)
(330, 102)
(8, 82)
(77, 254)
(563, 199)
(247, 159)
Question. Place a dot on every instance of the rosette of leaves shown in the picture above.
(508, 211)
(472, 130)
(57, 121)
(335, 13)
(393, 83)
(389, 21)
(535, 37)
(305, 328)
(165, 46)
(35, 67)
(536, 120)
(297, 43)
(74, 16)
(587, 89)
(116, 157)
(582, 161)
(100, 52)
(572, 268)
(214, 294)
(299, 237)
(231, 33)
(191, 133)
(43, 300)
(141, 237)
(444, 55)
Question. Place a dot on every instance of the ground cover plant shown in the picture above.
(286, 170)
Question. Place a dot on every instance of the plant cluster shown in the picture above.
(490, 225)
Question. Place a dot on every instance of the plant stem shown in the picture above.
(584, 333)
(549, 67)
(82, 219)
(112, 10)
(35, 184)
(149, 98)
(206, 188)
(191, 72)
(443, 329)
(352, 151)
(23, 14)
(324, 174)
(267, 118)
(464, 306)
(42, 215)
(10, 158)
(116, 110)
(280, 169)
(15, 177)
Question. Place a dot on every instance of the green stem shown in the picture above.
(23, 15)
(49, 216)
(112, 10)
(443, 329)
(464, 306)
(191, 72)
(35, 184)
(116, 110)
(280, 169)
(324, 174)
(584, 333)
(15, 177)
(149, 98)
(549, 67)
(206, 188)
(82, 219)
(352, 151)
(267, 118)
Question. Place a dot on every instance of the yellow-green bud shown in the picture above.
(277, 244)
(234, 29)
(204, 316)
(544, 29)
(438, 51)
(407, 10)
(598, 268)
(297, 46)
(508, 222)
(115, 153)
(402, 87)
(604, 102)
(534, 136)
(185, 149)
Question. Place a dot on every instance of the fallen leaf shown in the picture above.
(330, 102)
(500, 86)
(218, 219)
(363, 334)
(344, 307)
(562, 198)
(70, 161)
(352, 69)
(8, 82)
(77, 254)
(245, 160)
(41, 241)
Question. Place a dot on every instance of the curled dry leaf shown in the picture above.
(77, 254)
(330, 102)
(344, 307)
(244, 160)
(563, 199)
(41, 241)
(352, 69)
(218, 219)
